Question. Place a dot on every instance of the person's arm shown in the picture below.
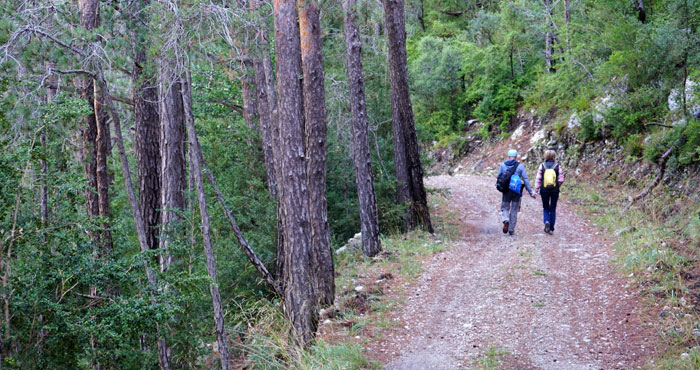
(523, 175)
(538, 179)
(561, 176)
(500, 169)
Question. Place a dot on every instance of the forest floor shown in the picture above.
(528, 301)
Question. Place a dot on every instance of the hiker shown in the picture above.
(549, 180)
(511, 180)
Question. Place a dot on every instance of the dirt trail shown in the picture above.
(544, 302)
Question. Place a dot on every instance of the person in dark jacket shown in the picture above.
(550, 193)
(510, 203)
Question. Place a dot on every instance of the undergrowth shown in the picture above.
(361, 309)
(656, 243)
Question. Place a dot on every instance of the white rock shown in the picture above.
(359, 288)
(675, 99)
(518, 132)
(574, 120)
(537, 137)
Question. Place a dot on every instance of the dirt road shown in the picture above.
(533, 300)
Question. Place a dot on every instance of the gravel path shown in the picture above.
(543, 302)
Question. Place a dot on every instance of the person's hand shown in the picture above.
(534, 196)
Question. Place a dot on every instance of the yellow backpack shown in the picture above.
(549, 177)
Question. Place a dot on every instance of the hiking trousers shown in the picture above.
(549, 206)
(510, 206)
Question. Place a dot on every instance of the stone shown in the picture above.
(518, 132)
(675, 99)
(537, 137)
(359, 288)
(574, 121)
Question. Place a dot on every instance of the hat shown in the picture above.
(512, 153)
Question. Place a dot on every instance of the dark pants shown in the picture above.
(510, 206)
(549, 204)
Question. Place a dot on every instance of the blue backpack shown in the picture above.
(516, 184)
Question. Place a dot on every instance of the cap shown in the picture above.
(512, 153)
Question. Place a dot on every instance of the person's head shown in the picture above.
(512, 154)
(550, 155)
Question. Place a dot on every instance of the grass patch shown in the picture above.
(656, 244)
(492, 359)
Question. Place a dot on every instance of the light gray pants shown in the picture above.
(510, 206)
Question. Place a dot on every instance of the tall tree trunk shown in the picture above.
(315, 144)
(133, 202)
(103, 142)
(299, 301)
(249, 94)
(147, 141)
(360, 139)
(409, 171)
(96, 141)
(549, 37)
(147, 123)
(172, 155)
(641, 12)
(206, 234)
(549, 51)
(265, 119)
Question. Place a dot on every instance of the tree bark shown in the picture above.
(172, 155)
(96, 142)
(147, 141)
(138, 219)
(206, 233)
(249, 94)
(315, 144)
(147, 124)
(549, 37)
(299, 301)
(409, 171)
(265, 118)
(360, 140)
(103, 149)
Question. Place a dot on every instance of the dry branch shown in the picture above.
(662, 170)
(266, 275)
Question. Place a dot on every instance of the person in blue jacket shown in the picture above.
(510, 203)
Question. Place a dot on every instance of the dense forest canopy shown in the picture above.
(80, 287)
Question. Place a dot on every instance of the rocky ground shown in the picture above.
(534, 300)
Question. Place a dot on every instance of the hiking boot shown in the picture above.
(505, 226)
(511, 232)
(546, 227)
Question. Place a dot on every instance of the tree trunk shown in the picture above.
(409, 171)
(103, 142)
(97, 142)
(549, 37)
(172, 154)
(641, 12)
(147, 124)
(315, 144)
(264, 115)
(299, 301)
(249, 94)
(360, 140)
(138, 219)
(147, 142)
(221, 336)
(549, 51)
